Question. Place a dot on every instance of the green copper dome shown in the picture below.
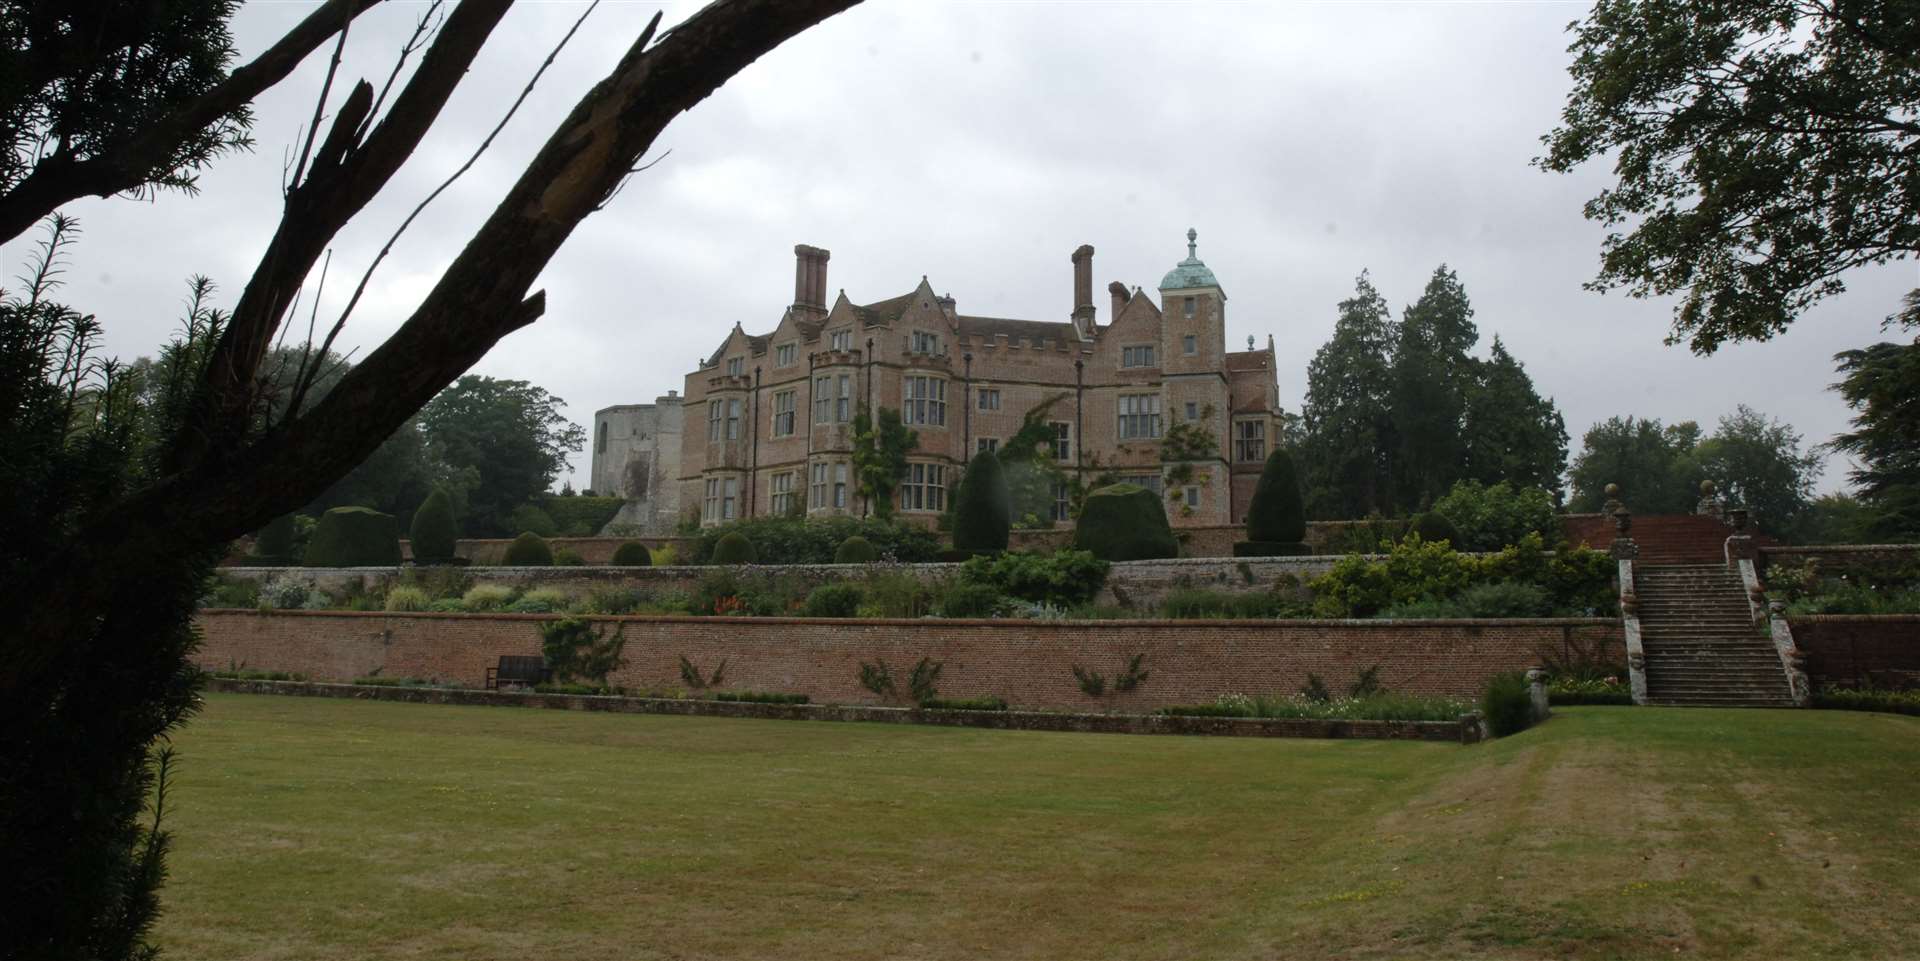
(1189, 272)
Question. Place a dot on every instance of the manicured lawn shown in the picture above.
(337, 829)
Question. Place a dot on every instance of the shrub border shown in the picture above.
(1002, 622)
(1468, 730)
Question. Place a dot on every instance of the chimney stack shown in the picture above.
(1083, 289)
(810, 279)
(1120, 298)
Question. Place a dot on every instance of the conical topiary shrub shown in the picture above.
(274, 544)
(1123, 522)
(528, 550)
(983, 508)
(433, 532)
(733, 548)
(632, 554)
(354, 537)
(1276, 519)
(855, 550)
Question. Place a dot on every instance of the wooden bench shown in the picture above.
(518, 670)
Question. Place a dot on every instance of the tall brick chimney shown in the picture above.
(810, 279)
(1120, 298)
(1083, 290)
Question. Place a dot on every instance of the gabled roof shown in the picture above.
(883, 313)
(1031, 331)
(1249, 360)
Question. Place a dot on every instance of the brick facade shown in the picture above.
(768, 416)
(1859, 650)
(1030, 663)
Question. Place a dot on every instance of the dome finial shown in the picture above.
(1192, 234)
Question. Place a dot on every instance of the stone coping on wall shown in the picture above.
(1855, 619)
(995, 622)
(689, 570)
(1469, 729)
(1818, 549)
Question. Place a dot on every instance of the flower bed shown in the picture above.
(1462, 730)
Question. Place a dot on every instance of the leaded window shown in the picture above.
(1139, 416)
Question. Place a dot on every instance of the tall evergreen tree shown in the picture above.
(1432, 375)
(1509, 431)
(1348, 413)
(1882, 386)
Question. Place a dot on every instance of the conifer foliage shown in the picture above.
(982, 511)
(529, 550)
(1398, 412)
(354, 537)
(434, 530)
(1124, 522)
(1276, 519)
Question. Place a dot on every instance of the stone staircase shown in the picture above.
(1702, 648)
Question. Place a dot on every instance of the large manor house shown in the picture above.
(765, 424)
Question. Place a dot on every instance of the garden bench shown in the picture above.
(517, 670)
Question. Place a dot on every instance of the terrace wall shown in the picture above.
(1860, 650)
(1030, 663)
(1195, 542)
(1128, 583)
(1840, 558)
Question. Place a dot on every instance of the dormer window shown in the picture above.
(840, 340)
(785, 354)
(1140, 356)
(925, 342)
(735, 366)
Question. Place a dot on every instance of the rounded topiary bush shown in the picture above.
(1124, 522)
(733, 548)
(983, 507)
(833, 600)
(274, 543)
(433, 533)
(528, 550)
(632, 554)
(855, 550)
(354, 537)
(1434, 527)
(1276, 518)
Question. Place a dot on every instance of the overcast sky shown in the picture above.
(979, 144)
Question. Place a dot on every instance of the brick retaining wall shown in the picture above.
(1859, 650)
(1833, 558)
(1030, 663)
(1129, 583)
(1469, 729)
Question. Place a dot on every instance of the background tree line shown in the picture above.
(1398, 412)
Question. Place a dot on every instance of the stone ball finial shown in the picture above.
(1707, 488)
(1613, 490)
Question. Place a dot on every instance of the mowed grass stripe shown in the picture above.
(315, 828)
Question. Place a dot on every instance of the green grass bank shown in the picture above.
(317, 828)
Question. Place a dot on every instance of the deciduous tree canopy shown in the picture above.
(1762, 148)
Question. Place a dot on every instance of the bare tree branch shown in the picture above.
(344, 177)
(360, 289)
(319, 109)
(58, 180)
(427, 24)
(481, 297)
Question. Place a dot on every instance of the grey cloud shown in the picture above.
(979, 144)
